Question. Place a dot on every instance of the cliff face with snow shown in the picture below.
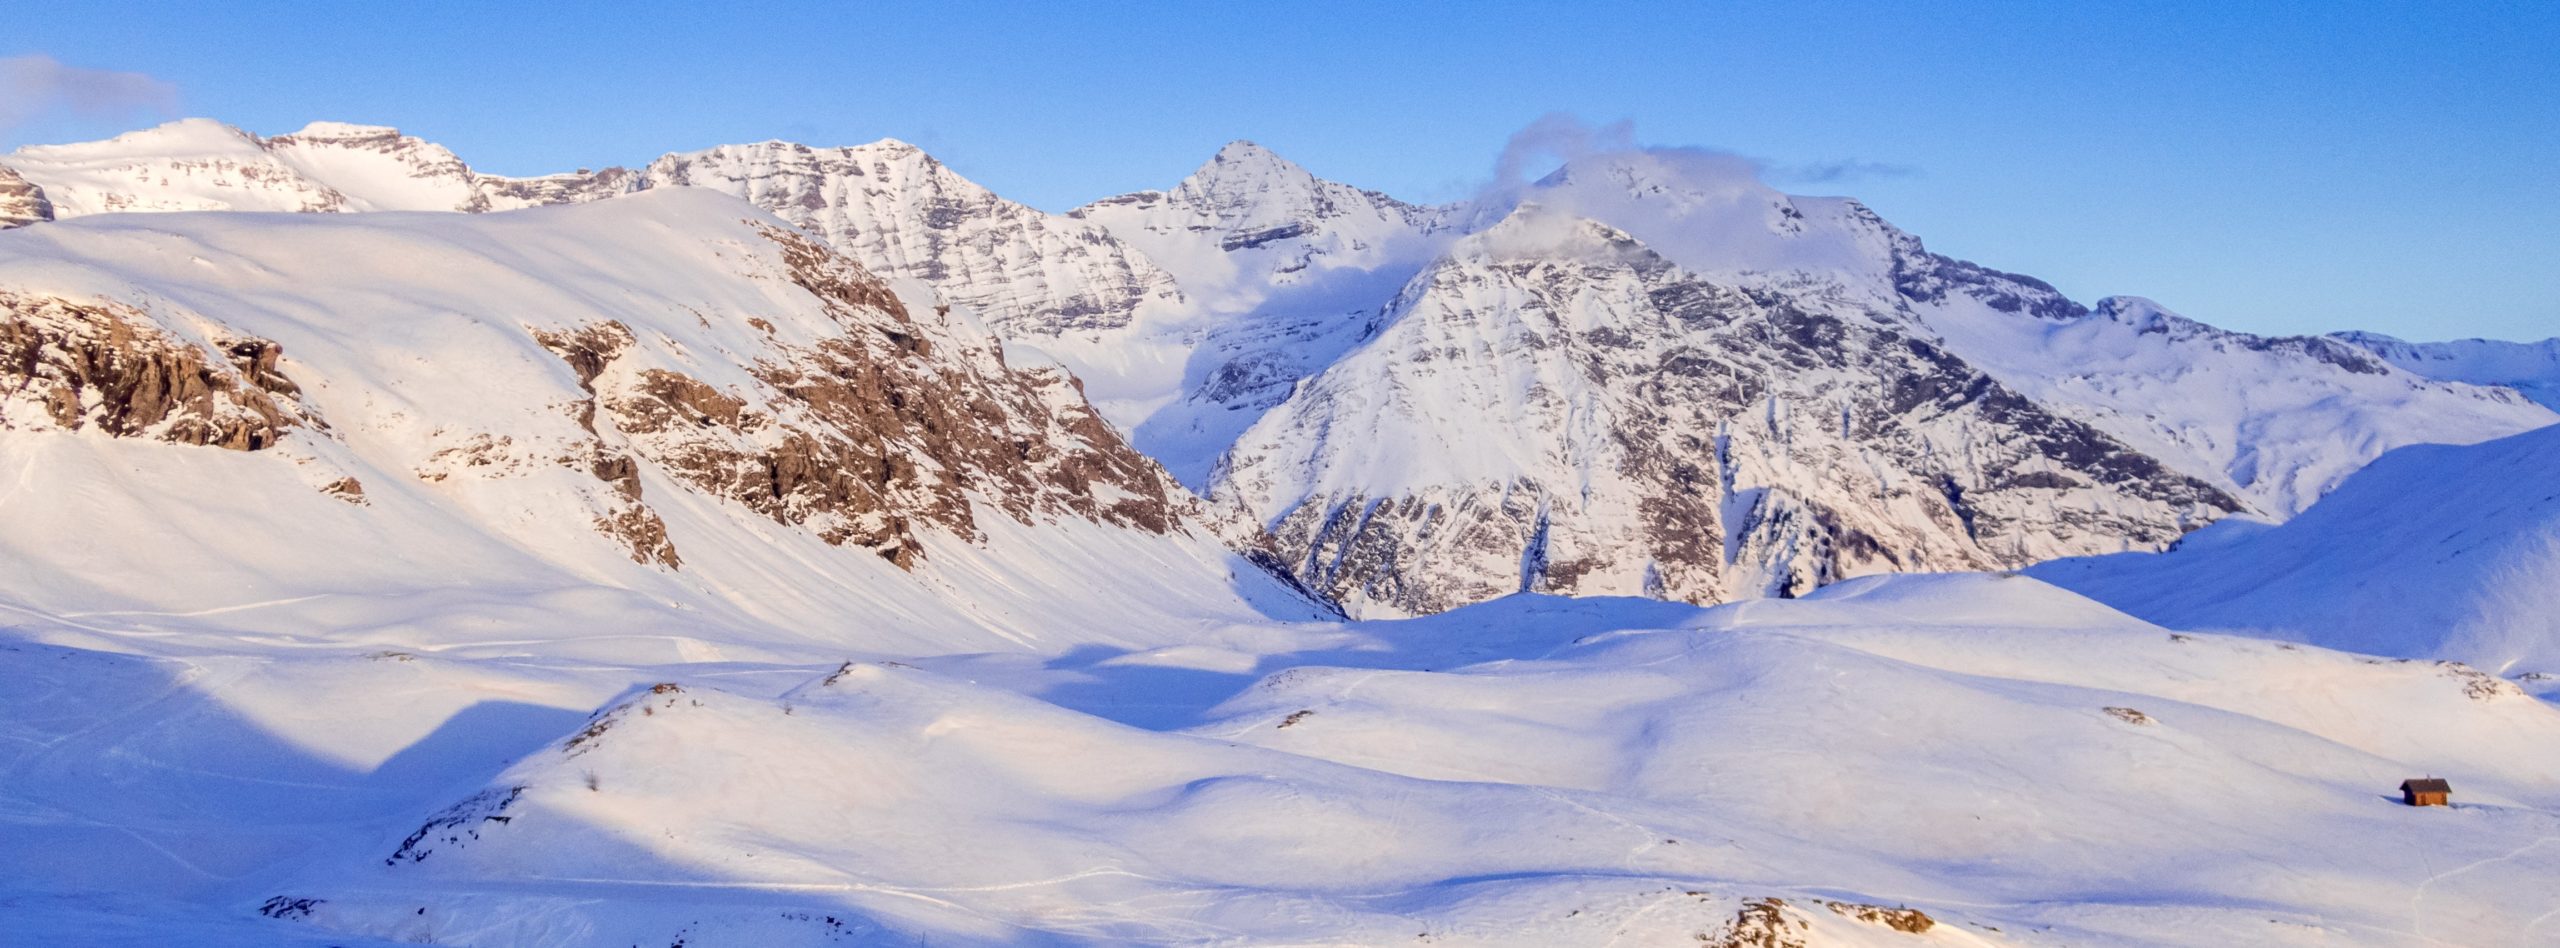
(1554, 407)
(21, 201)
(903, 213)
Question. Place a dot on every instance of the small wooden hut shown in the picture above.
(2426, 791)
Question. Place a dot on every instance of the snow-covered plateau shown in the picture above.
(777, 545)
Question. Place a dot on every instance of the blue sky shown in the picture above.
(2270, 167)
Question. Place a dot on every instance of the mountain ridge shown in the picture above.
(1194, 315)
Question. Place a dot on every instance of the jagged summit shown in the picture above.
(907, 215)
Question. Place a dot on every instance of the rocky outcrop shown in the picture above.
(21, 201)
(871, 436)
(109, 368)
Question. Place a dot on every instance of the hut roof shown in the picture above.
(2426, 785)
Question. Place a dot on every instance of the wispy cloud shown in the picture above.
(1560, 137)
(36, 85)
(1830, 172)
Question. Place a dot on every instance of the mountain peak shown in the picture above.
(186, 136)
(1535, 231)
(328, 131)
(896, 146)
(1246, 162)
(1245, 150)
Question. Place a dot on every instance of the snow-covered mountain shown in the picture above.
(203, 165)
(1032, 275)
(2274, 421)
(1283, 271)
(1555, 407)
(1242, 327)
(1930, 413)
(2434, 551)
(670, 404)
(2532, 368)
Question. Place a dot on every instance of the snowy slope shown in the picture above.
(2532, 368)
(1555, 407)
(656, 423)
(1903, 761)
(2432, 552)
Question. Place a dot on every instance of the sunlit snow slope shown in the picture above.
(1904, 761)
(2434, 551)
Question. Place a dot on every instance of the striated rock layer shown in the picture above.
(21, 201)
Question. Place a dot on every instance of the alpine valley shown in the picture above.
(780, 545)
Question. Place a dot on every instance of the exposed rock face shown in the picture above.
(903, 214)
(870, 435)
(21, 201)
(1555, 408)
(577, 187)
(1904, 919)
(106, 367)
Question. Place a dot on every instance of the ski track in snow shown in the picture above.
(2417, 915)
